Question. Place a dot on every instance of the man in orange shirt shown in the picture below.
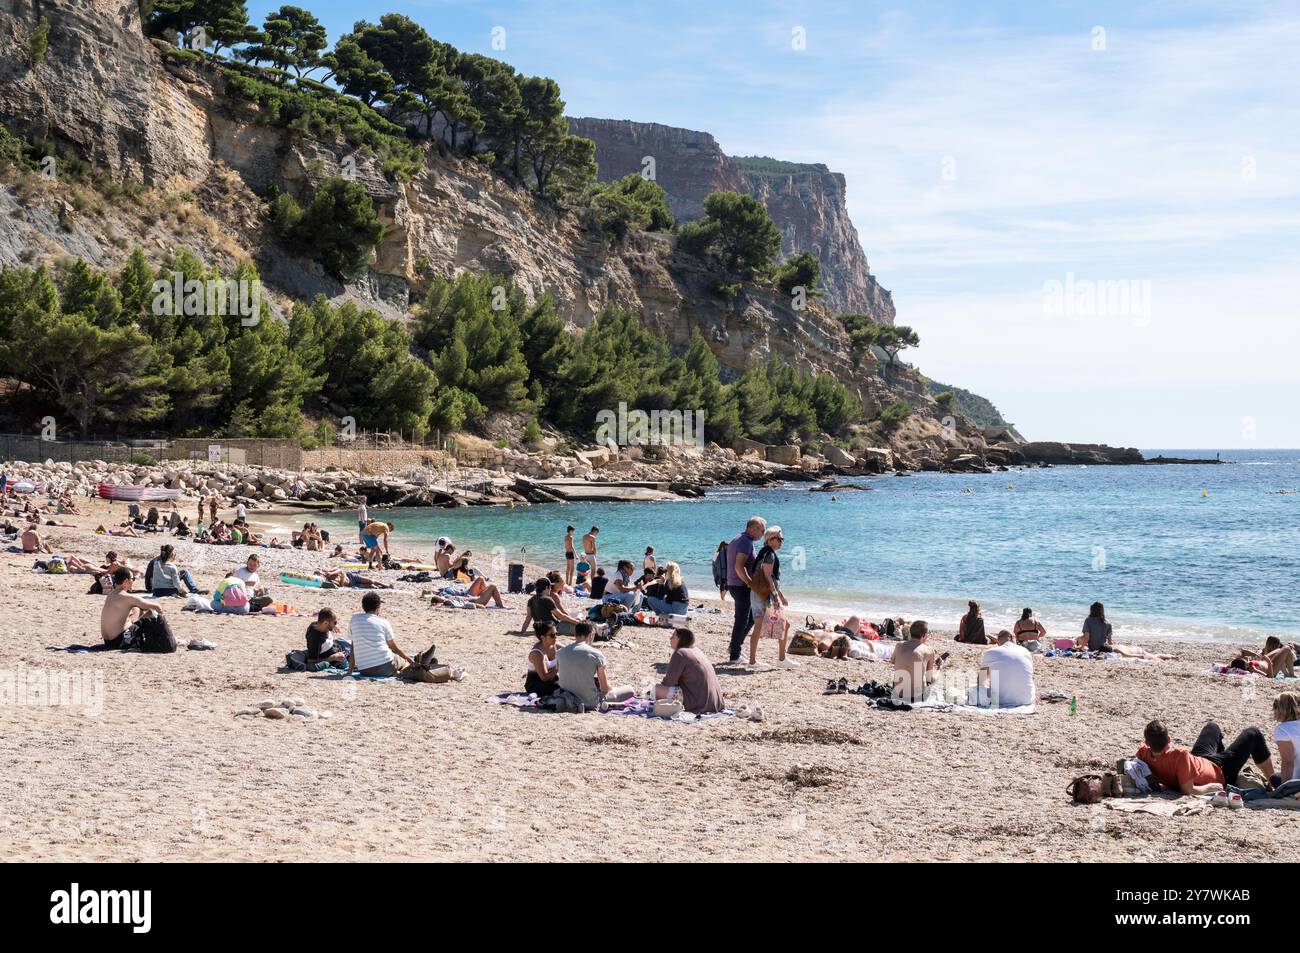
(1208, 766)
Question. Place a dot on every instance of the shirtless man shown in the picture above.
(916, 665)
(569, 555)
(32, 542)
(371, 534)
(589, 546)
(115, 617)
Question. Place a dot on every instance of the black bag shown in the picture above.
(598, 585)
(153, 634)
(516, 578)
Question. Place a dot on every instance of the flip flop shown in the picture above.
(842, 686)
(832, 687)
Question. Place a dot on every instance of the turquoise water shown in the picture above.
(1200, 552)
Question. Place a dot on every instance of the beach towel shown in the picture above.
(1089, 656)
(938, 704)
(1161, 805)
(1241, 672)
(633, 708)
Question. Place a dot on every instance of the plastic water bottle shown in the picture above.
(1074, 705)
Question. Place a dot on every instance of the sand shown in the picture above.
(160, 768)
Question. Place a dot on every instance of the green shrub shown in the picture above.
(892, 415)
(39, 42)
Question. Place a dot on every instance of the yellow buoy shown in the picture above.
(1205, 493)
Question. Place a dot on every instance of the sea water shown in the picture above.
(1199, 552)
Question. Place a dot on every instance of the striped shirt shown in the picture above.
(370, 636)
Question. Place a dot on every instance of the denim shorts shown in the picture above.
(758, 605)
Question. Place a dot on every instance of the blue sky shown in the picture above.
(991, 149)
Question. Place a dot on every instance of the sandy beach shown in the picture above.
(159, 767)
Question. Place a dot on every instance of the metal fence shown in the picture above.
(26, 448)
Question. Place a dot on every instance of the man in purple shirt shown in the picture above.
(740, 556)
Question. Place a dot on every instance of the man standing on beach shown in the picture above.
(740, 555)
(589, 547)
(371, 534)
(363, 515)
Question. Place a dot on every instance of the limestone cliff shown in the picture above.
(105, 94)
(807, 202)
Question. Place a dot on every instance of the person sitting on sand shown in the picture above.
(582, 671)
(675, 599)
(247, 574)
(542, 610)
(1209, 766)
(916, 665)
(321, 646)
(1097, 633)
(690, 676)
(1028, 629)
(1286, 712)
(622, 589)
(352, 579)
(1098, 637)
(442, 560)
(1276, 659)
(113, 562)
(1006, 676)
(115, 626)
(542, 676)
(371, 536)
(970, 629)
(163, 578)
(374, 647)
(230, 596)
(480, 590)
(32, 541)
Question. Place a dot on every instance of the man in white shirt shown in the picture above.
(1006, 675)
(373, 645)
(241, 511)
(363, 514)
(248, 574)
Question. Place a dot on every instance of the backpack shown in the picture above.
(234, 596)
(153, 634)
(148, 574)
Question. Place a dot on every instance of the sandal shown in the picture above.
(832, 688)
(842, 686)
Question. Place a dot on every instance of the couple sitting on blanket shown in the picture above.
(1209, 767)
(579, 669)
(1005, 678)
(1277, 659)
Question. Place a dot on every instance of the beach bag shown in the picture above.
(56, 565)
(1088, 789)
(802, 644)
(598, 585)
(153, 633)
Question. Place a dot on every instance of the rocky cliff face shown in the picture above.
(108, 95)
(807, 202)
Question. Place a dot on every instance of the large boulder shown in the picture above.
(837, 457)
(785, 456)
(744, 446)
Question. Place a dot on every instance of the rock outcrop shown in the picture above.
(807, 202)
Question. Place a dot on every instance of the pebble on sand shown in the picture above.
(275, 713)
